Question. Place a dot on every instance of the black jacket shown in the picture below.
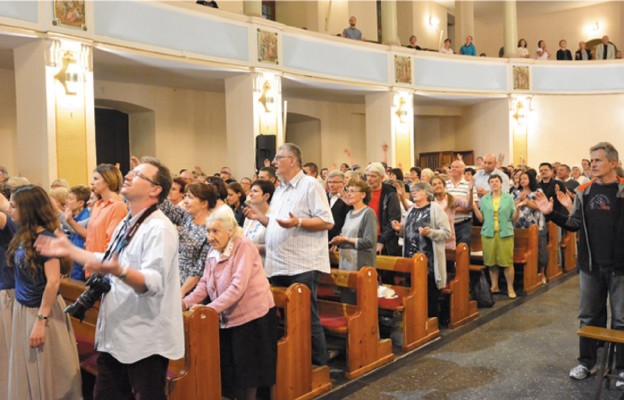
(339, 212)
(577, 222)
(389, 210)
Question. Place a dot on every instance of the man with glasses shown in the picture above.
(140, 324)
(336, 183)
(459, 187)
(296, 234)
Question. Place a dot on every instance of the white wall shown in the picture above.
(306, 135)
(434, 134)
(484, 128)
(563, 128)
(342, 126)
(189, 125)
(8, 122)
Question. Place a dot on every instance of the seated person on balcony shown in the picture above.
(582, 53)
(352, 32)
(542, 52)
(412, 43)
(447, 47)
(605, 50)
(522, 50)
(468, 48)
(563, 53)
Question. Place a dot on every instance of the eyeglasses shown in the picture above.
(140, 175)
(354, 191)
(334, 182)
(278, 158)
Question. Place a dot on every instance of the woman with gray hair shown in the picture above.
(426, 229)
(237, 288)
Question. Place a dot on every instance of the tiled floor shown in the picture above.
(521, 349)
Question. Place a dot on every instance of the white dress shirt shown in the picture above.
(297, 250)
(132, 326)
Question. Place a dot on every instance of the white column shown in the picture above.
(253, 106)
(55, 112)
(390, 122)
(252, 8)
(464, 23)
(389, 23)
(511, 28)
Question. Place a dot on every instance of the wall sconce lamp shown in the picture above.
(433, 22)
(593, 29)
(69, 74)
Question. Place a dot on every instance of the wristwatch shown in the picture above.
(300, 224)
(124, 273)
(41, 317)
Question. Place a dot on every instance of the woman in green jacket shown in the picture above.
(497, 213)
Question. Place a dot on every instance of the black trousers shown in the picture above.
(142, 380)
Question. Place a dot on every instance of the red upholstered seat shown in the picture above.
(395, 304)
(334, 323)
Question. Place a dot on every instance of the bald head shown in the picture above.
(489, 163)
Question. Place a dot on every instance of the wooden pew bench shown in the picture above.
(296, 377)
(357, 323)
(606, 369)
(568, 244)
(411, 303)
(553, 269)
(462, 309)
(196, 376)
(525, 255)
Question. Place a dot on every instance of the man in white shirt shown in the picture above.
(140, 325)
(459, 187)
(480, 180)
(296, 234)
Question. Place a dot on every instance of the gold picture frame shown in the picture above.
(403, 69)
(521, 77)
(267, 47)
(70, 13)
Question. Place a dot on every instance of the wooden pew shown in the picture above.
(359, 323)
(296, 377)
(525, 255)
(553, 269)
(417, 327)
(568, 244)
(197, 375)
(462, 309)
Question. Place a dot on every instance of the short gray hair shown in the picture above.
(336, 173)
(612, 153)
(425, 187)
(377, 168)
(294, 150)
(225, 216)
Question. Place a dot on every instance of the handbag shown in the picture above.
(480, 291)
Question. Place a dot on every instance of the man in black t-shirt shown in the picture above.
(598, 215)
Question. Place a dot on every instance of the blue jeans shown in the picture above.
(311, 280)
(595, 287)
(463, 232)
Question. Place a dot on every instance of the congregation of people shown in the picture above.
(167, 244)
(606, 50)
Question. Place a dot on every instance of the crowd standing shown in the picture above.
(213, 241)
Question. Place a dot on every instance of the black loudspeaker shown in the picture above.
(265, 149)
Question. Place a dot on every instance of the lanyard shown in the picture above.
(125, 236)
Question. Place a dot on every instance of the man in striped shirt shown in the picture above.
(459, 187)
(296, 234)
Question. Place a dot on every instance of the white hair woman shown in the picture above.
(235, 283)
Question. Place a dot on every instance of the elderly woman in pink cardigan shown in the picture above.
(236, 286)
